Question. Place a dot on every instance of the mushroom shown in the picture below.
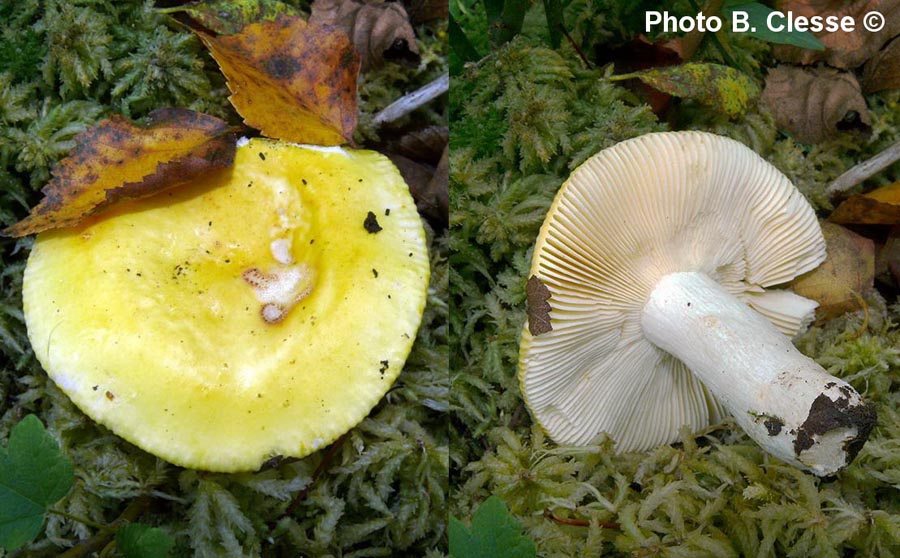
(259, 311)
(650, 305)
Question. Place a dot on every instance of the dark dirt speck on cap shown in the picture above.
(371, 223)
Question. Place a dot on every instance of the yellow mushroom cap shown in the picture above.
(260, 311)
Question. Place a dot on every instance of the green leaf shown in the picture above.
(495, 533)
(555, 23)
(757, 15)
(137, 540)
(33, 475)
(714, 85)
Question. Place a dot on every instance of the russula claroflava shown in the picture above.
(650, 307)
(260, 311)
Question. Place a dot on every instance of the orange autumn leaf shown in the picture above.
(878, 207)
(118, 160)
(291, 80)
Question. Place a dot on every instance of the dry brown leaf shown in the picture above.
(887, 258)
(426, 144)
(421, 11)
(883, 70)
(291, 80)
(847, 273)
(815, 104)
(428, 186)
(878, 207)
(118, 160)
(379, 31)
(842, 49)
(438, 193)
(642, 54)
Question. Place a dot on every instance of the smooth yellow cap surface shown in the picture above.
(261, 311)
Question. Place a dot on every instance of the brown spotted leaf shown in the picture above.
(720, 87)
(380, 30)
(879, 207)
(225, 17)
(118, 160)
(538, 298)
(847, 273)
(815, 104)
(291, 80)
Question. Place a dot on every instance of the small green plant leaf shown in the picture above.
(137, 540)
(33, 475)
(757, 19)
(723, 88)
(494, 533)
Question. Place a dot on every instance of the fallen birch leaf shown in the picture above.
(379, 31)
(847, 272)
(225, 17)
(720, 87)
(814, 104)
(843, 49)
(118, 160)
(878, 207)
(291, 80)
(883, 70)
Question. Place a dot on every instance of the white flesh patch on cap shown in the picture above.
(280, 289)
(281, 250)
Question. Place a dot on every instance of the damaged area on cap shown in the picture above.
(628, 216)
(238, 317)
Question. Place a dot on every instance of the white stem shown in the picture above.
(785, 401)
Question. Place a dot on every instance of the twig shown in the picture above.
(578, 522)
(865, 308)
(865, 170)
(77, 519)
(328, 456)
(97, 542)
(584, 60)
(411, 101)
